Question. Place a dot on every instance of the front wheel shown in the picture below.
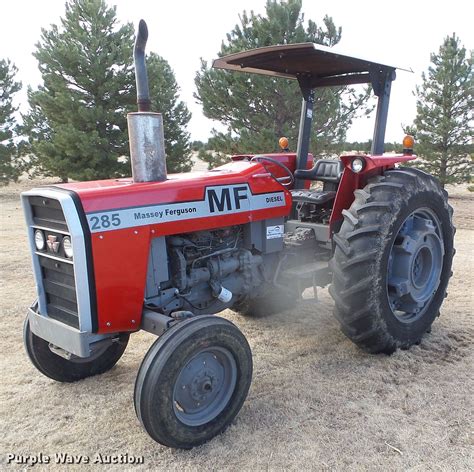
(63, 370)
(392, 260)
(193, 381)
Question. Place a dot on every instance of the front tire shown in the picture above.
(392, 260)
(193, 381)
(62, 370)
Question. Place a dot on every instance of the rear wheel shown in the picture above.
(63, 370)
(193, 381)
(392, 260)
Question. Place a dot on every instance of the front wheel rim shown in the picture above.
(415, 265)
(204, 386)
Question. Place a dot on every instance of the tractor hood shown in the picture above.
(161, 202)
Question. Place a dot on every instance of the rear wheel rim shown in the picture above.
(204, 386)
(415, 265)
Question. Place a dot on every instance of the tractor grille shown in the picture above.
(57, 272)
(48, 213)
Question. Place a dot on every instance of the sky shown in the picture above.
(401, 33)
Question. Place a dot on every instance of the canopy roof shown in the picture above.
(321, 65)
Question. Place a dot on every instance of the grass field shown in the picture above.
(316, 402)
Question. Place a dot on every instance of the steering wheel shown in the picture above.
(286, 180)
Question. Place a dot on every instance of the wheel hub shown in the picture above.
(415, 265)
(422, 266)
(204, 386)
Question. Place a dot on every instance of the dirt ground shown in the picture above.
(316, 401)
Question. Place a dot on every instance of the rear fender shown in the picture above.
(351, 181)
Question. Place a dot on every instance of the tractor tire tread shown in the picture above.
(374, 206)
(384, 186)
(359, 286)
(351, 317)
(342, 245)
(362, 232)
(359, 259)
(348, 216)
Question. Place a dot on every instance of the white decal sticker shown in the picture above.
(221, 200)
(274, 232)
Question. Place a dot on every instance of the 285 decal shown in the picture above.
(104, 221)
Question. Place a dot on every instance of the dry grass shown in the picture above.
(316, 402)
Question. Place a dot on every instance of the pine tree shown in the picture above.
(164, 94)
(445, 104)
(257, 110)
(9, 167)
(77, 125)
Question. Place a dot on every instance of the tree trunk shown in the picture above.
(443, 169)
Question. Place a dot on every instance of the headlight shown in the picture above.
(67, 246)
(357, 165)
(39, 240)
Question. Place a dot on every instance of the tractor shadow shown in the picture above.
(306, 371)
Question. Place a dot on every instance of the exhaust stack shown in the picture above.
(145, 128)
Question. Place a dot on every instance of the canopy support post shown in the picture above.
(306, 120)
(382, 84)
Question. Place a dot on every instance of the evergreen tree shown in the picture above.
(445, 104)
(164, 97)
(9, 167)
(257, 110)
(77, 125)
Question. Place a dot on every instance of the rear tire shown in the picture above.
(392, 260)
(193, 381)
(62, 370)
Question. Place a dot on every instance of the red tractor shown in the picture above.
(164, 253)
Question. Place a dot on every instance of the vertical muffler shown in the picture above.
(145, 128)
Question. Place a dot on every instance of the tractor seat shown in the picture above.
(327, 171)
(311, 196)
(324, 170)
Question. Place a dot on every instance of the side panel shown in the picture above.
(121, 259)
(121, 237)
(158, 270)
(120, 266)
(266, 236)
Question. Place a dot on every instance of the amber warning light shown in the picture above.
(408, 143)
(283, 143)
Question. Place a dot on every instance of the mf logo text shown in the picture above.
(227, 198)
